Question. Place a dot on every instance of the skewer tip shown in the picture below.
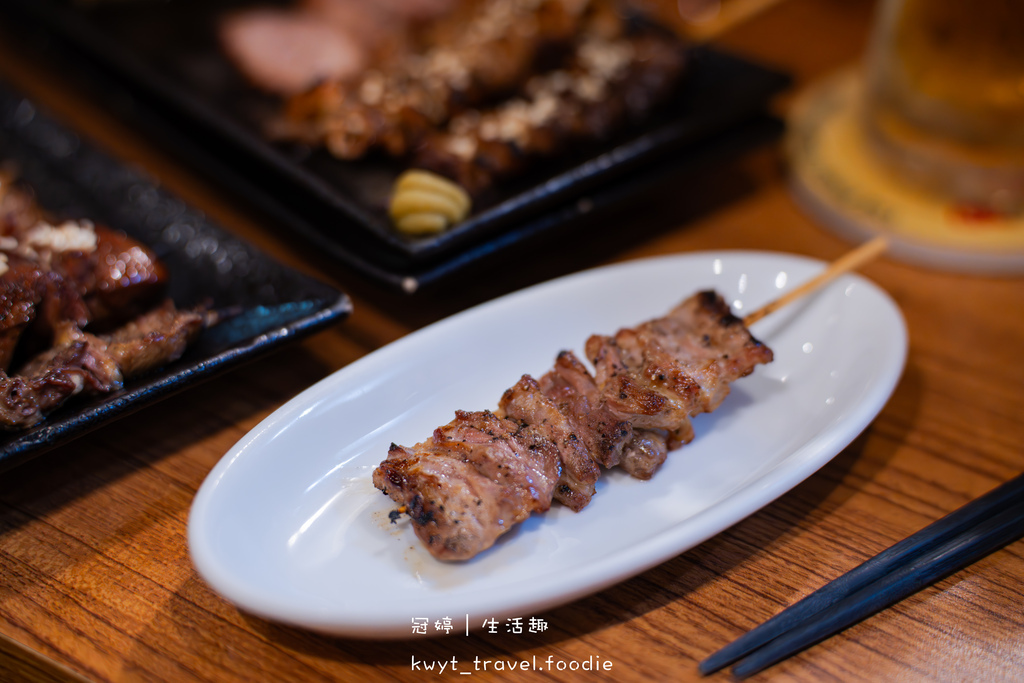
(844, 264)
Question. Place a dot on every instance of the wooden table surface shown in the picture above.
(95, 576)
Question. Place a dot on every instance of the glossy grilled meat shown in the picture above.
(117, 280)
(58, 280)
(484, 472)
(33, 302)
(79, 362)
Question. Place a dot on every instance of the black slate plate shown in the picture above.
(274, 303)
(166, 55)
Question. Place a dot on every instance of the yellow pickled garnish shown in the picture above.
(422, 223)
(424, 203)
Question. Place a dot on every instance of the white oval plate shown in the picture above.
(289, 526)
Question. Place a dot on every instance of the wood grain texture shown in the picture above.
(94, 570)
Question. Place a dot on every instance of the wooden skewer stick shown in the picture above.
(849, 261)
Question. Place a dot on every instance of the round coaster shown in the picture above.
(837, 180)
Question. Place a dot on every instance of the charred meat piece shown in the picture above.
(613, 438)
(155, 338)
(573, 389)
(79, 362)
(117, 280)
(703, 327)
(25, 401)
(506, 451)
(79, 272)
(483, 472)
(79, 309)
(526, 403)
(19, 297)
(472, 481)
(676, 366)
(76, 363)
(107, 280)
(636, 388)
(77, 351)
(456, 511)
(34, 302)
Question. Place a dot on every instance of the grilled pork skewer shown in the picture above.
(484, 472)
(608, 82)
(486, 50)
(549, 435)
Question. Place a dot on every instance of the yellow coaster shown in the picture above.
(837, 180)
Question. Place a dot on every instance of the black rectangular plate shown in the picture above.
(167, 57)
(273, 303)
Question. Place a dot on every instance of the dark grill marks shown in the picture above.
(579, 473)
(571, 387)
(484, 472)
(443, 495)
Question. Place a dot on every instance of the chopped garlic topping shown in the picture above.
(371, 91)
(461, 146)
(605, 59)
(68, 236)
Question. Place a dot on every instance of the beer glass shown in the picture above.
(944, 101)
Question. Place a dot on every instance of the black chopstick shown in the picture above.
(951, 531)
(990, 535)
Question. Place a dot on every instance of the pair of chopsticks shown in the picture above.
(946, 546)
